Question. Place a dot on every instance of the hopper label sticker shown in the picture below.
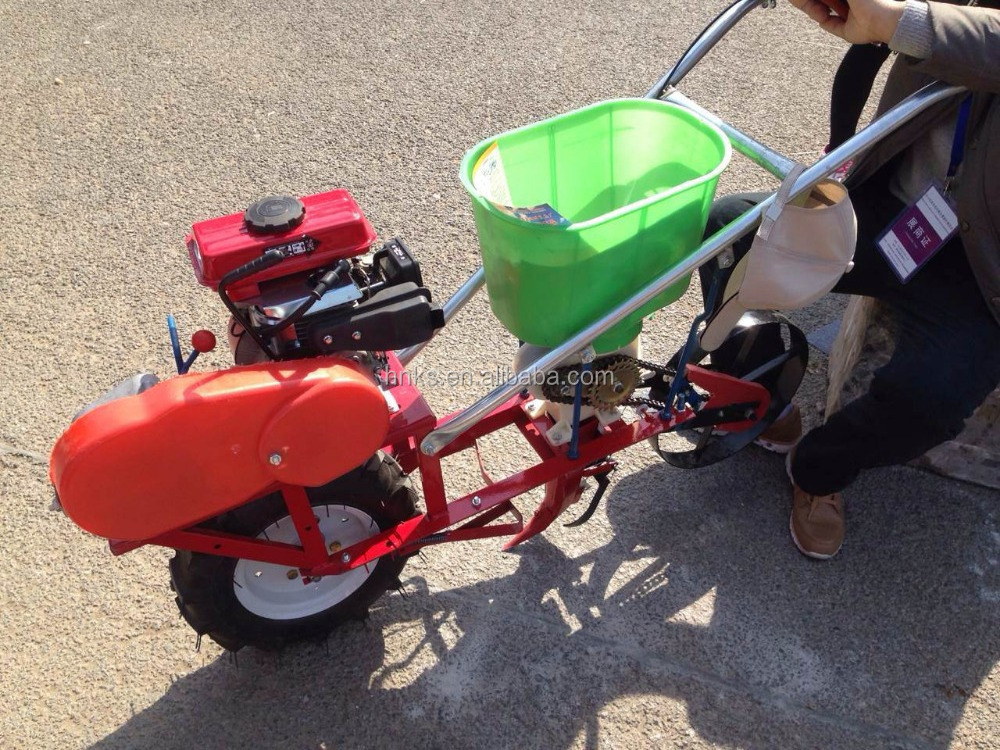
(490, 181)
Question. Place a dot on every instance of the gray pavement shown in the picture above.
(681, 616)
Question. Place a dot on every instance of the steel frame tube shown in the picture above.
(714, 245)
(777, 164)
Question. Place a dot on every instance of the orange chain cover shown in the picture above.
(200, 444)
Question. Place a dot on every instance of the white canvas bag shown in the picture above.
(800, 252)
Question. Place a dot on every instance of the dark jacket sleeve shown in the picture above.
(966, 47)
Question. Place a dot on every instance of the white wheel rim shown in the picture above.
(277, 592)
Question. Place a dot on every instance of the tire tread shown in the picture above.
(202, 583)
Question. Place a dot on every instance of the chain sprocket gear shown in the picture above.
(604, 392)
(611, 392)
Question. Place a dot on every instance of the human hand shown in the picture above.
(864, 21)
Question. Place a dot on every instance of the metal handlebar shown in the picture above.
(777, 164)
(704, 43)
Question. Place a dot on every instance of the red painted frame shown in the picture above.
(471, 516)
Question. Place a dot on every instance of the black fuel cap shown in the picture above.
(274, 214)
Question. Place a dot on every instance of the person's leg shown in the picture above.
(946, 362)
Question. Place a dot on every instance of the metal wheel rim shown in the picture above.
(276, 592)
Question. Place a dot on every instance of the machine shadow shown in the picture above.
(693, 610)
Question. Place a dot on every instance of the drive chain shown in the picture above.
(627, 374)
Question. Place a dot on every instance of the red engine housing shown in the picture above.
(334, 227)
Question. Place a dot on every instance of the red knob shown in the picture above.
(203, 341)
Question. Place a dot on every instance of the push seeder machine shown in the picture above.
(282, 482)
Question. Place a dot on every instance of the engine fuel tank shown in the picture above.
(314, 232)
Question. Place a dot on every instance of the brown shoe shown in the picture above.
(817, 521)
(786, 431)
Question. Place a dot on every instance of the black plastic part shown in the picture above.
(395, 318)
(331, 278)
(275, 214)
(268, 259)
(396, 264)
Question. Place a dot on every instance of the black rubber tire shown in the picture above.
(204, 583)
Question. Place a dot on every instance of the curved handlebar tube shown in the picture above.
(704, 43)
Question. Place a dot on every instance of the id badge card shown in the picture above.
(919, 233)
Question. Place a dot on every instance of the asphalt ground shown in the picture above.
(680, 616)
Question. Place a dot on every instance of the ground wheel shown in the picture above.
(246, 603)
(763, 348)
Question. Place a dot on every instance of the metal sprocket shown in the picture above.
(606, 393)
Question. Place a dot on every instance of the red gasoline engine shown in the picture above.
(302, 278)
